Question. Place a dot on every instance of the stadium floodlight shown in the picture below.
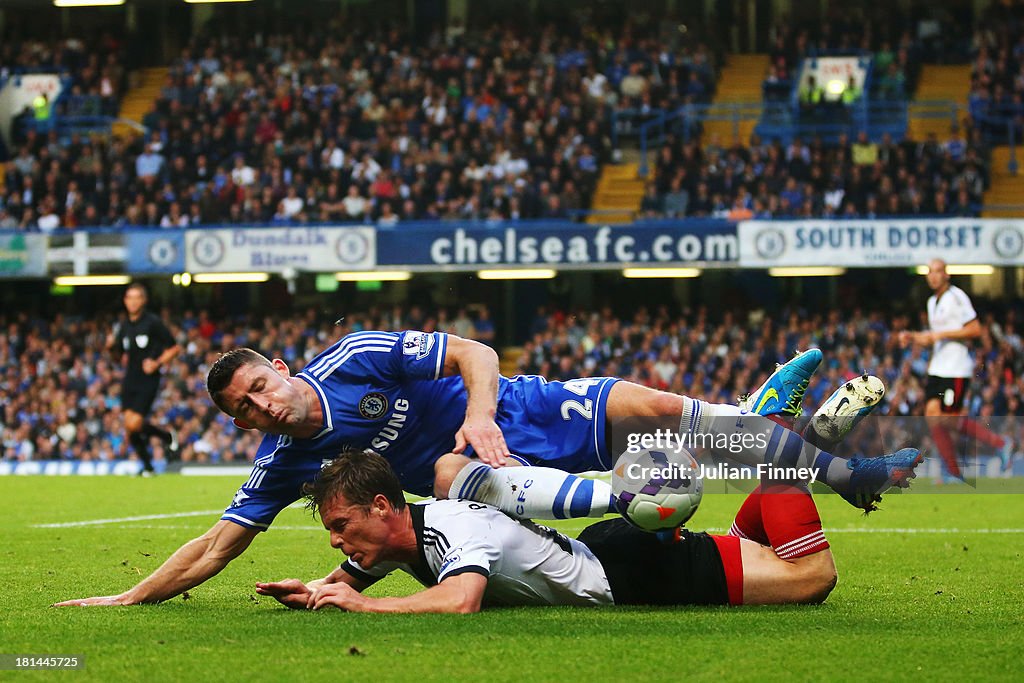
(87, 3)
(373, 276)
(517, 274)
(86, 280)
(962, 269)
(835, 87)
(214, 278)
(660, 272)
(807, 271)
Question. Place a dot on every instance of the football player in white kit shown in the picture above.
(952, 322)
(469, 555)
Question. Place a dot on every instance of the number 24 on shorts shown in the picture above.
(580, 388)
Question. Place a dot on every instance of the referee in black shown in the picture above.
(148, 345)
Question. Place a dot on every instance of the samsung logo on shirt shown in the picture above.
(390, 433)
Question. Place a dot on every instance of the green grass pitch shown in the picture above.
(930, 587)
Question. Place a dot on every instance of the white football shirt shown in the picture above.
(952, 311)
(525, 563)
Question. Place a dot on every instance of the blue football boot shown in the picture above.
(873, 476)
(1006, 455)
(783, 392)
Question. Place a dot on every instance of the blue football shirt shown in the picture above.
(379, 390)
(386, 391)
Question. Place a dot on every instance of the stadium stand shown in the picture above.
(498, 123)
(64, 391)
(997, 79)
(853, 179)
(94, 71)
(293, 130)
(376, 127)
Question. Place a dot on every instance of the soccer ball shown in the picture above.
(657, 490)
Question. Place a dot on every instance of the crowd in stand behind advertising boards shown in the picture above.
(64, 388)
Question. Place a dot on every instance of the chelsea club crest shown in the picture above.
(373, 405)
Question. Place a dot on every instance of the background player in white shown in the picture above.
(469, 555)
(953, 322)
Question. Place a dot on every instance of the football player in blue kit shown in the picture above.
(435, 406)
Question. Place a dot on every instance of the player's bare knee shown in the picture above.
(819, 589)
(818, 577)
(627, 399)
(446, 469)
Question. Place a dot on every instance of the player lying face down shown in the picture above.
(468, 555)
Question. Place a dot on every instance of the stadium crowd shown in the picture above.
(996, 97)
(63, 389)
(361, 126)
(489, 124)
(856, 178)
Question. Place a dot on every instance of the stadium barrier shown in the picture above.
(84, 468)
(418, 246)
(782, 121)
(466, 246)
(880, 243)
(456, 245)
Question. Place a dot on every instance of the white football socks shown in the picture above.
(533, 492)
(754, 440)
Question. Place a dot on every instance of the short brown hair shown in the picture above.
(359, 476)
(224, 369)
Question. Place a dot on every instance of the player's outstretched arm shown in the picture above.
(191, 565)
(478, 365)
(460, 594)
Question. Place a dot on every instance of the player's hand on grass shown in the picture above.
(340, 595)
(291, 593)
(483, 434)
(102, 601)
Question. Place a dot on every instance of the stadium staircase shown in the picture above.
(619, 192)
(939, 82)
(508, 360)
(739, 81)
(138, 100)
(953, 83)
